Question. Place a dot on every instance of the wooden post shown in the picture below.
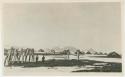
(78, 51)
(68, 53)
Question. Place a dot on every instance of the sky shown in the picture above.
(47, 25)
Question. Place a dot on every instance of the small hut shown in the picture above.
(114, 55)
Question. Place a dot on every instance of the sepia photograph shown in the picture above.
(61, 38)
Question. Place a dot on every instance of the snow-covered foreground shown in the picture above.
(37, 70)
(56, 70)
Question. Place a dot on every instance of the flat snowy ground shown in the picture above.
(54, 70)
(50, 71)
(37, 71)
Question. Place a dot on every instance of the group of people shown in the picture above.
(13, 55)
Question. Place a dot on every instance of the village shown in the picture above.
(66, 57)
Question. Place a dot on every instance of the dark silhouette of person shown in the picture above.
(43, 59)
(37, 58)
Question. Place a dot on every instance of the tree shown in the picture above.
(78, 53)
(53, 51)
(67, 52)
(41, 50)
(105, 53)
(96, 53)
(88, 52)
(100, 53)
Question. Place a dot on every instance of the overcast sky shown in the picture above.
(46, 25)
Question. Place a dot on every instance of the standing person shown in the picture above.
(37, 58)
(43, 59)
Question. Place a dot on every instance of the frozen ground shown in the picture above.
(55, 70)
(37, 71)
